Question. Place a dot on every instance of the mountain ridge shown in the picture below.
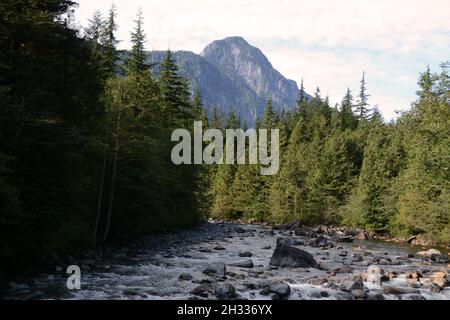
(235, 76)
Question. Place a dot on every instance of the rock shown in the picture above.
(290, 241)
(343, 269)
(267, 248)
(318, 281)
(440, 280)
(245, 254)
(375, 296)
(414, 297)
(243, 264)
(430, 253)
(439, 258)
(411, 239)
(362, 236)
(303, 231)
(201, 291)
(413, 275)
(290, 257)
(225, 291)
(399, 291)
(185, 277)
(219, 248)
(411, 256)
(318, 242)
(240, 230)
(359, 294)
(283, 290)
(344, 239)
(350, 285)
(217, 268)
(435, 288)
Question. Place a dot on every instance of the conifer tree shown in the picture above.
(136, 62)
(362, 107)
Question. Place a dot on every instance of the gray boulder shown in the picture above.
(225, 291)
(217, 268)
(289, 257)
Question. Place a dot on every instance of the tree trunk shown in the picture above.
(113, 179)
(100, 197)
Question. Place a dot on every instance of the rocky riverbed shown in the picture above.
(227, 261)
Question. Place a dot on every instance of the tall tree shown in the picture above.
(136, 61)
(362, 107)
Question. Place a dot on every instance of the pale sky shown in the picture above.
(327, 42)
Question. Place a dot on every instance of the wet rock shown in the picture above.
(240, 230)
(375, 296)
(287, 256)
(282, 290)
(267, 248)
(304, 231)
(353, 284)
(201, 291)
(185, 277)
(318, 281)
(319, 242)
(344, 239)
(359, 294)
(362, 236)
(440, 280)
(290, 241)
(382, 261)
(435, 288)
(413, 275)
(245, 254)
(243, 264)
(217, 268)
(225, 291)
(399, 291)
(219, 248)
(343, 269)
(430, 253)
(411, 239)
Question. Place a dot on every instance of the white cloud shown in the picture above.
(328, 42)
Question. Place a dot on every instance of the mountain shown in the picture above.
(234, 75)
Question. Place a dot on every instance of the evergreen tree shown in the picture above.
(136, 61)
(362, 107)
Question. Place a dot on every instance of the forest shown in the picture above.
(85, 144)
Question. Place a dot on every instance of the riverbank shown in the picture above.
(220, 260)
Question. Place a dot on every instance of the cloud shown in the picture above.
(328, 42)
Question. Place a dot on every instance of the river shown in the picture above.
(172, 266)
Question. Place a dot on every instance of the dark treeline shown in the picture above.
(84, 137)
(85, 144)
(344, 165)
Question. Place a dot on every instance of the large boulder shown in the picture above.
(289, 257)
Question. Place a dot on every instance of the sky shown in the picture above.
(328, 43)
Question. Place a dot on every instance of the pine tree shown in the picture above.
(109, 43)
(136, 62)
(302, 95)
(362, 107)
(348, 118)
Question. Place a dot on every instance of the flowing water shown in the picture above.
(150, 269)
